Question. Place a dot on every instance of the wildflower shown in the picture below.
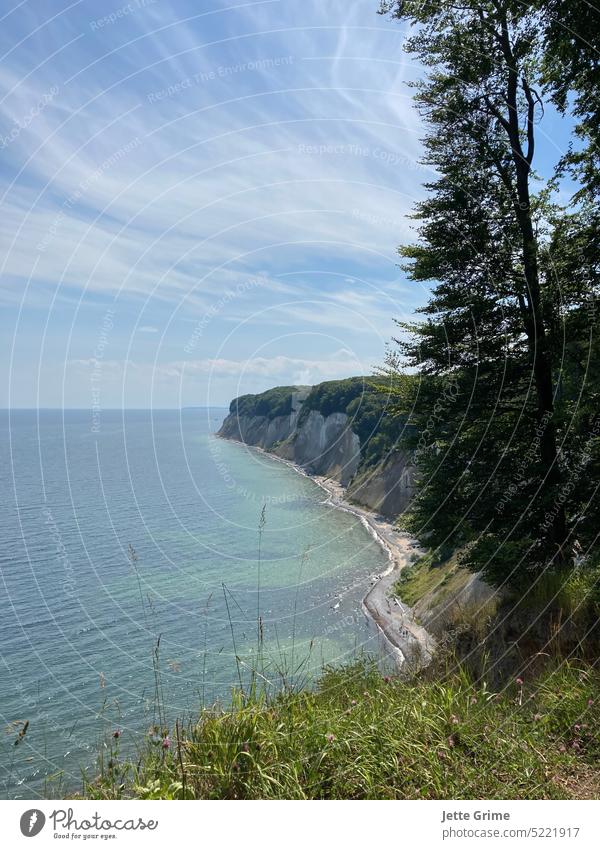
(562, 748)
(451, 741)
(575, 745)
(387, 679)
(537, 716)
(117, 733)
(590, 702)
(519, 682)
(577, 727)
(473, 700)
(353, 702)
(166, 743)
(330, 738)
(454, 720)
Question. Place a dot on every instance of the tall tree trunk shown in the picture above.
(533, 318)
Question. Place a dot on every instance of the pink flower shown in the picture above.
(519, 681)
(387, 679)
(330, 738)
(590, 702)
(117, 733)
(166, 743)
(353, 702)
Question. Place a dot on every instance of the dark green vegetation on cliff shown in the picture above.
(362, 736)
(363, 399)
(366, 402)
(272, 403)
(507, 412)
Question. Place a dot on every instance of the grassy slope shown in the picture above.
(363, 736)
(428, 575)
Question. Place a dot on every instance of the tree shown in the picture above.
(492, 471)
(571, 75)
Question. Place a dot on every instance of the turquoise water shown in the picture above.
(141, 525)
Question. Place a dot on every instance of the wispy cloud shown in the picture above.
(184, 152)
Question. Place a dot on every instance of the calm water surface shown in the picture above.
(149, 526)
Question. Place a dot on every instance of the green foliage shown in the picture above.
(369, 404)
(428, 573)
(571, 74)
(272, 403)
(505, 412)
(334, 396)
(362, 736)
(574, 592)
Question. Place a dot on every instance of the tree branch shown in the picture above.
(530, 116)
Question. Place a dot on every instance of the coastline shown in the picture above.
(405, 640)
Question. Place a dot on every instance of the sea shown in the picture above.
(149, 568)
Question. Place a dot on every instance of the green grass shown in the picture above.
(429, 574)
(359, 735)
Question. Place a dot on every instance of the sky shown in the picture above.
(203, 200)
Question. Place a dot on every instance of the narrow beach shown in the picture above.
(405, 640)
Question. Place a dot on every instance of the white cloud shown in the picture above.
(301, 172)
(275, 176)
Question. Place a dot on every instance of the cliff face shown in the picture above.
(323, 443)
(253, 419)
(259, 430)
(326, 446)
(388, 487)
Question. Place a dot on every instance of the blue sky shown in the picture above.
(201, 200)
